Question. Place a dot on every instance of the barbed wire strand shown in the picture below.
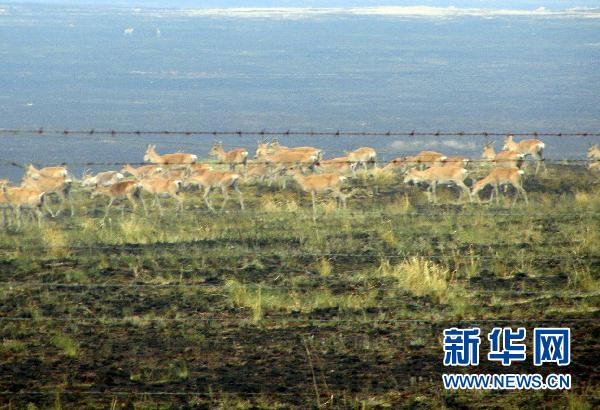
(465, 253)
(287, 132)
(212, 393)
(289, 318)
(445, 211)
(175, 285)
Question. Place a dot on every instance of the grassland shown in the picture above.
(269, 308)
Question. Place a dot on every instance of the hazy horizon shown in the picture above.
(486, 4)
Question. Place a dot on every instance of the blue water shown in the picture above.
(69, 67)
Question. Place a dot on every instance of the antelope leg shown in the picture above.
(160, 210)
(240, 196)
(47, 206)
(207, 190)
(70, 198)
(465, 189)
(144, 205)
(107, 208)
(225, 196)
(497, 193)
(38, 213)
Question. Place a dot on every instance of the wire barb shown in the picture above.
(288, 132)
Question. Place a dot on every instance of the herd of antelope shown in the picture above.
(168, 174)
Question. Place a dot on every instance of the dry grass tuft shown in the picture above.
(420, 276)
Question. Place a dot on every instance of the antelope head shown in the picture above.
(150, 153)
(508, 143)
(86, 178)
(488, 150)
(216, 149)
(32, 172)
(262, 150)
(275, 143)
(412, 176)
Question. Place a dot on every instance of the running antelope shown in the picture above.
(456, 162)
(362, 156)
(501, 176)
(259, 172)
(502, 159)
(59, 186)
(162, 187)
(168, 159)
(320, 184)
(3, 201)
(284, 160)
(199, 167)
(144, 171)
(209, 179)
(593, 152)
(594, 166)
(237, 156)
(339, 165)
(50, 172)
(179, 174)
(437, 175)
(17, 198)
(101, 178)
(396, 164)
(274, 147)
(120, 190)
(425, 159)
(532, 147)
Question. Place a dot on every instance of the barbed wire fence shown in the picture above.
(273, 134)
(288, 132)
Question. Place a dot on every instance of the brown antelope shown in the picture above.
(274, 147)
(532, 147)
(101, 178)
(59, 186)
(120, 190)
(145, 171)
(339, 165)
(593, 152)
(594, 166)
(50, 172)
(425, 159)
(162, 187)
(179, 158)
(501, 176)
(199, 167)
(362, 156)
(259, 172)
(502, 159)
(397, 164)
(456, 162)
(237, 156)
(320, 184)
(209, 179)
(3, 200)
(437, 175)
(17, 198)
(179, 174)
(283, 160)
